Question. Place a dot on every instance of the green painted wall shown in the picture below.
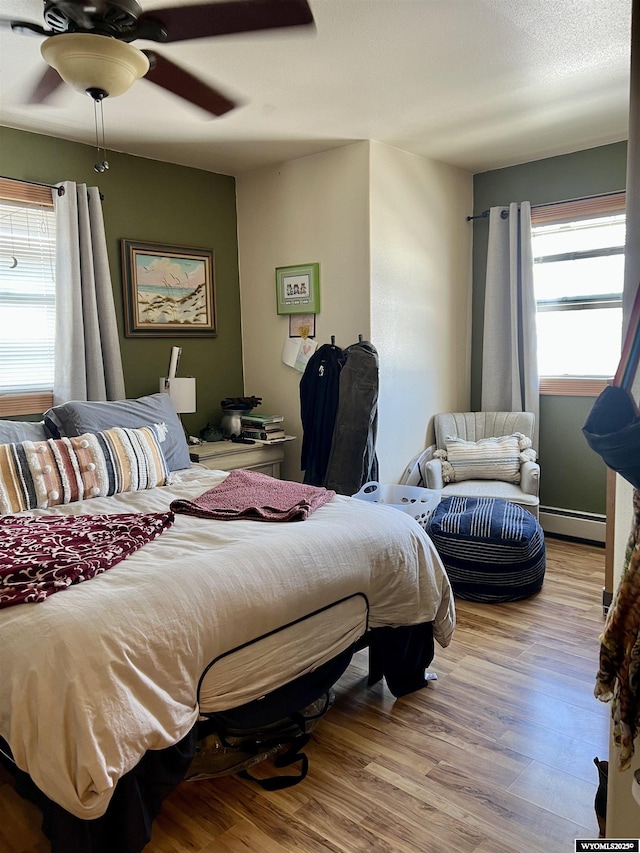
(572, 476)
(163, 203)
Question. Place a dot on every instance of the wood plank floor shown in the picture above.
(496, 756)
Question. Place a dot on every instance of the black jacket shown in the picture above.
(319, 392)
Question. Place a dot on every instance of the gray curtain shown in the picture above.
(510, 360)
(88, 364)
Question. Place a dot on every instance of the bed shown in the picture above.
(107, 672)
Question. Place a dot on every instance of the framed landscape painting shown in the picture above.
(168, 290)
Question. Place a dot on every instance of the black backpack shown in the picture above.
(278, 724)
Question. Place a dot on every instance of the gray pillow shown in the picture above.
(78, 417)
(15, 432)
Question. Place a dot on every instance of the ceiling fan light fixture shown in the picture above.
(86, 61)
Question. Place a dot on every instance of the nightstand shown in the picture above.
(227, 455)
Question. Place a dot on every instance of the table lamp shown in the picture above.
(182, 390)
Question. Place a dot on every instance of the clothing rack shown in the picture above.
(333, 340)
(339, 409)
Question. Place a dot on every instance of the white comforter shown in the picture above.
(103, 671)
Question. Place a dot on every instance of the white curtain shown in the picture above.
(510, 361)
(88, 364)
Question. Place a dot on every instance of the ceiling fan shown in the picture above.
(88, 43)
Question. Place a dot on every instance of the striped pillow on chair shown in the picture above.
(495, 458)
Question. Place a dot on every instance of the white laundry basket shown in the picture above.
(420, 503)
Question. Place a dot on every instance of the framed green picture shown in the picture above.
(298, 289)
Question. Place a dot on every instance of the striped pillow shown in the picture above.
(495, 458)
(44, 474)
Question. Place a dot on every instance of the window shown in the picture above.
(27, 297)
(578, 280)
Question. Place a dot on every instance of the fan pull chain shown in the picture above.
(98, 113)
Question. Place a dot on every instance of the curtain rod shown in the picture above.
(505, 213)
(59, 190)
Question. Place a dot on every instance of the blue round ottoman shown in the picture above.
(493, 550)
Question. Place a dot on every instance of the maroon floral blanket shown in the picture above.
(45, 554)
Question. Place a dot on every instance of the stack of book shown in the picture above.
(265, 428)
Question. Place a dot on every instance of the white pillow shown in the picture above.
(495, 458)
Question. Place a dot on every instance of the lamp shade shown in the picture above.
(182, 391)
(87, 61)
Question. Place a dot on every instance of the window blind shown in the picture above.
(608, 204)
(27, 288)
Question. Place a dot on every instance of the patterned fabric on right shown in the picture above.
(618, 678)
(493, 549)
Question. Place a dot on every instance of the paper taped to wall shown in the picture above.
(296, 352)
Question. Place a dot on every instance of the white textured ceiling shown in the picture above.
(478, 84)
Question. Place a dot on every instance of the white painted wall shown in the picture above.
(312, 209)
(389, 231)
(420, 298)
(623, 811)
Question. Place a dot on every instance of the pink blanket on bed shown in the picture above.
(45, 554)
(249, 494)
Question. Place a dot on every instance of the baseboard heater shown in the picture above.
(578, 525)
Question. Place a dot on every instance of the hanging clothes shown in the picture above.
(319, 391)
(352, 460)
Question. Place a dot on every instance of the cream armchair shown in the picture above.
(473, 427)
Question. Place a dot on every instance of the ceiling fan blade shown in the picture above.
(170, 76)
(224, 17)
(24, 27)
(48, 83)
